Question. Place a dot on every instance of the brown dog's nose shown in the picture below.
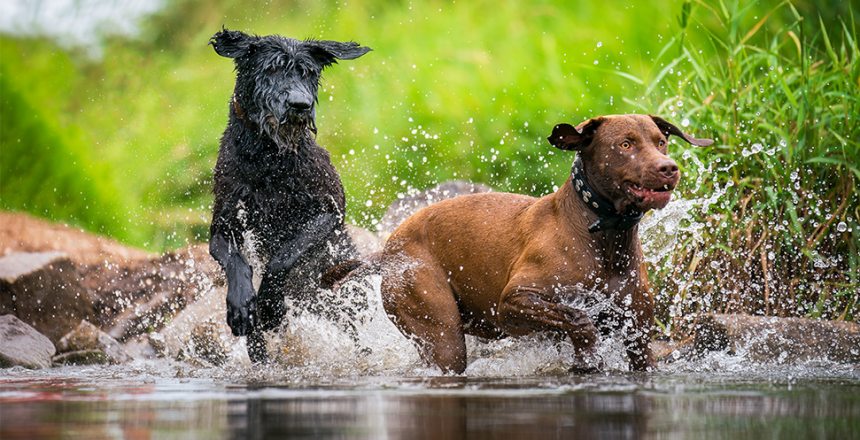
(667, 168)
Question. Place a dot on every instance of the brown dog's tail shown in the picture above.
(335, 276)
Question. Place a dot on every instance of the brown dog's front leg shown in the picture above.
(529, 308)
(639, 353)
(638, 302)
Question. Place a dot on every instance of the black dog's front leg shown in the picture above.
(241, 307)
(270, 299)
(313, 233)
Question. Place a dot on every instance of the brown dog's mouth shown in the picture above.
(648, 198)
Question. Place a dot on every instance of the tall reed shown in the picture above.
(783, 240)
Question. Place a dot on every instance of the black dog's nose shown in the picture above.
(667, 168)
(300, 100)
(300, 105)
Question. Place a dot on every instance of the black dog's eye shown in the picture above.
(270, 69)
(625, 145)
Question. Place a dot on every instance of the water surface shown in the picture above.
(177, 400)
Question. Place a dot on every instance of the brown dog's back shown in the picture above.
(460, 231)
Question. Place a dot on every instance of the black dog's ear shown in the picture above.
(232, 44)
(327, 52)
(567, 137)
(669, 129)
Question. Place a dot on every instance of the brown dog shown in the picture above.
(496, 264)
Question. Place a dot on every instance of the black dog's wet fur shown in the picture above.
(273, 179)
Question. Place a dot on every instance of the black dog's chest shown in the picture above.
(276, 197)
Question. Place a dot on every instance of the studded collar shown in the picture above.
(608, 217)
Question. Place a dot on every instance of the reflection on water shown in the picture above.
(592, 407)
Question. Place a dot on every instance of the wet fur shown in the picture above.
(274, 183)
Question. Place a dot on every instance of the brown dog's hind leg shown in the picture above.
(421, 304)
(531, 309)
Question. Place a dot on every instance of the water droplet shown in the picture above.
(841, 227)
(599, 43)
(684, 122)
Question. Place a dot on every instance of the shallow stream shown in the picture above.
(172, 400)
(319, 385)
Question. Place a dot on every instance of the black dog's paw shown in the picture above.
(271, 307)
(241, 307)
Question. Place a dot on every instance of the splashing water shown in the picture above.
(309, 345)
(315, 344)
(660, 229)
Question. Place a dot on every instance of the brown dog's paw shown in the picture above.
(587, 363)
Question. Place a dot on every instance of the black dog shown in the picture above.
(279, 202)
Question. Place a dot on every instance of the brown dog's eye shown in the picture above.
(625, 145)
(662, 143)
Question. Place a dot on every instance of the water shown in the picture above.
(320, 386)
(160, 401)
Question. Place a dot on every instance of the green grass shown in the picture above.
(470, 90)
(786, 117)
(47, 167)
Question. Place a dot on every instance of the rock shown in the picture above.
(199, 330)
(147, 315)
(85, 341)
(401, 209)
(779, 340)
(140, 298)
(21, 344)
(20, 232)
(140, 347)
(365, 241)
(44, 290)
(81, 357)
(206, 342)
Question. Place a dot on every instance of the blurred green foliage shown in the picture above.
(467, 90)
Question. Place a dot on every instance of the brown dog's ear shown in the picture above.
(669, 129)
(232, 44)
(566, 137)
